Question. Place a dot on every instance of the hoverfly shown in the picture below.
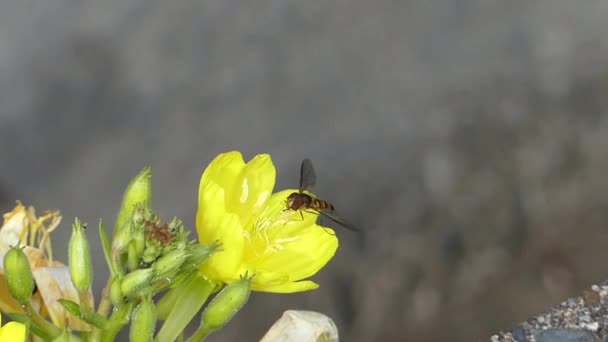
(303, 201)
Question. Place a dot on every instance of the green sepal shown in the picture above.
(71, 307)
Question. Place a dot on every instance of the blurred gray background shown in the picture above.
(467, 137)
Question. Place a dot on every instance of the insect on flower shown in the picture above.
(302, 200)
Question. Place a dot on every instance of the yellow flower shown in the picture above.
(236, 207)
(12, 331)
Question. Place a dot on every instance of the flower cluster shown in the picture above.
(248, 240)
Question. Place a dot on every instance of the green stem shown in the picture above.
(199, 335)
(117, 321)
(43, 324)
(85, 302)
(105, 304)
(86, 308)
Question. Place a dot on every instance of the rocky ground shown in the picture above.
(578, 319)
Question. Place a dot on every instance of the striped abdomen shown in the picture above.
(321, 205)
(299, 201)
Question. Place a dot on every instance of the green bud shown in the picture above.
(116, 293)
(151, 252)
(226, 304)
(143, 322)
(198, 254)
(19, 277)
(81, 269)
(169, 263)
(139, 190)
(139, 241)
(122, 239)
(132, 257)
(135, 281)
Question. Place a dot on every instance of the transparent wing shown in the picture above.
(337, 219)
(307, 175)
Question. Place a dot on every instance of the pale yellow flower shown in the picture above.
(259, 236)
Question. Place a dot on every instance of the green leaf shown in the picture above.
(189, 297)
(71, 307)
(106, 246)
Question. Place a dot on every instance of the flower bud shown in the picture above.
(151, 253)
(116, 293)
(135, 281)
(121, 240)
(169, 263)
(139, 190)
(132, 257)
(19, 277)
(226, 304)
(81, 269)
(198, 254)
(144, 322)
(139, 241)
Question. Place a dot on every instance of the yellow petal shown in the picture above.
(214, 224)
(301, 253)
(276, 214)
(267, 278)
(223, 171)
(289, 242)
(210, 210)
(290, 287)
(13, 331)
(252, 188)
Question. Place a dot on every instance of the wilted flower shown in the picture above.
(22, 227)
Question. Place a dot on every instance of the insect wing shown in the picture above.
(307, 175)
(337, 219)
